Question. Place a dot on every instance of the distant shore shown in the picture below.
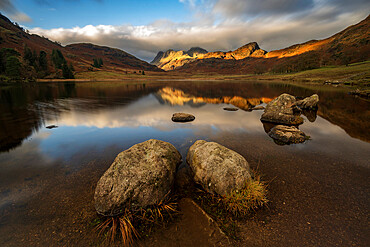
(353, 75)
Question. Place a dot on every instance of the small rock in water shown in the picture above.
(217, 169)
(287, 134)
(51, 127)
(230, 109)
(140, 176)
(182, 117)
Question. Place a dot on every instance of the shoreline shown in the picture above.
(352, 76)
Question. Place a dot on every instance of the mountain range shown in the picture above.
(171, 59)
(348, 46)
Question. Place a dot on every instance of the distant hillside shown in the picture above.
(114, 58)
(80, 56)
(348, 46)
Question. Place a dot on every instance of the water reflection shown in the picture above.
(174, 96)
(98, 120)
(24, 111)
(311, 115)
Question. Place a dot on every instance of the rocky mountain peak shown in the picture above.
(196, 50)
(157, 58)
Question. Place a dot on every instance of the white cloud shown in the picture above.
(8, 7)
(20, 17)
(272, 29)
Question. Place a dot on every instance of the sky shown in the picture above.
(144, 27)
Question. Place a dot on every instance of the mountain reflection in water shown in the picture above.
(23, 111)
(178, 97)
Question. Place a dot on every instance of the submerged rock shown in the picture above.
(182, 117)
(309, 102)
(282, 110)
(217, 169)
(230, 109)
(287, 134)
(184, 180)
(139, 176)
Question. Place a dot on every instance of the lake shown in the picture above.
(318, 190)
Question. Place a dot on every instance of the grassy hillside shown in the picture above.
(27, 50)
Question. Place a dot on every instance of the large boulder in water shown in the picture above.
(287, 134)
(282, 110)
(308, 102)
(217, 169)
(139, 176)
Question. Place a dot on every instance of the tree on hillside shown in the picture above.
(67, 72)
(97, 63)
(27, 54)
(2, 61)
(57, 58)
(5, 54)
(13, 67)
(2, 65)
(43, 62)
(30, 57)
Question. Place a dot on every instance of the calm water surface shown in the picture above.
(96, 121)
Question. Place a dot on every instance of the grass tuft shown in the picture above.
(116, 226)
(242, 202)
(127, 227)
(227, 210)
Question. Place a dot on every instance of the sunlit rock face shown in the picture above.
(171, 59)
(178, 97)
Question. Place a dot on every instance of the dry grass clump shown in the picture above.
(227, 210)
(127, 227)
(119, 225)
(252, 196)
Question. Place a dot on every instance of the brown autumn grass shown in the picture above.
(132, 224)
(237, 205)
(242, 202)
